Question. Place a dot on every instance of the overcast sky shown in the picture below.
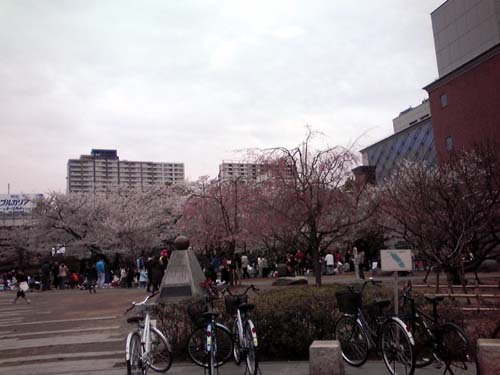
(192, 81)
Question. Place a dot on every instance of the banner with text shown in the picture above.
(23, 203)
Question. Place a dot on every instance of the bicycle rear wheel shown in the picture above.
(251, 351)
(134, 362)
(455, 352)
(161, 356)
(397, 349)
(353, 340)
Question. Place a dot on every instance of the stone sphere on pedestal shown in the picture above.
(181, 243)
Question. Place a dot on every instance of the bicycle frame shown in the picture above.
(145, 333)
(145, 341)
(373, 336)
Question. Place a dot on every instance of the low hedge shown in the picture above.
(288, 319)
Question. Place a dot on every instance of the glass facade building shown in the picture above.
(415, 143)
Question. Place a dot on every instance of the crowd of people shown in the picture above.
(231, 269)
(144, 271)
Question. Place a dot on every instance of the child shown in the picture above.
(22, 283)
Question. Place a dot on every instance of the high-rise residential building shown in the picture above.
(233, 170)
(412, 140)
(465, 98)
(246, 172)
(102, 169)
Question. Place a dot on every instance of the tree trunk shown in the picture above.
(317, 267)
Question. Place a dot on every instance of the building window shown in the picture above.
(449, 143)
(444, 100)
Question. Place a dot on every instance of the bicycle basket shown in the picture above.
(232, 303)
(195, 312)
(348, 302)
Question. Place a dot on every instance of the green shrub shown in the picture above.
(288, 320)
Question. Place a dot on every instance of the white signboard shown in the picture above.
(18, 202)
(396, 260)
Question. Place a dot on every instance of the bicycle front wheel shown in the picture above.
(197, 349)
(251, 350)
(134, 360)
(160, 355)
(397, 349)
(237, 344)
(455, 352)
(353, 340)
(424, 344)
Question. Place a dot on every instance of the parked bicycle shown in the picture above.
(146, 346)
(387, 334)
(243, 330)
(211, 344)
(442, 344)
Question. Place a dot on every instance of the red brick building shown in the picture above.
(465, 104)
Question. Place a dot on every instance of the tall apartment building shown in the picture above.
(232, 170)
(103, 169)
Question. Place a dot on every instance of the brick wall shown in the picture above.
(472, 114)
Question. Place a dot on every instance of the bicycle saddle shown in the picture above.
(244, 307)
(135, 319)
(434, 299)
(209, 315)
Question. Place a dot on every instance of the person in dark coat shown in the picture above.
(156, 273)
(46, 275)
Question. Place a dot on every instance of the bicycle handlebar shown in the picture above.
(134, 304)
(252, 287)
(370, 280)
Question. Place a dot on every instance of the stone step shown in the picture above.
(17, 361)
(63, 332)
(23, 353)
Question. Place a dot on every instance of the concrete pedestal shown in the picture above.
(325, 358)
(182, 278)
(488, 353)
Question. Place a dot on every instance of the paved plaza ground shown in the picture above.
(74, 332)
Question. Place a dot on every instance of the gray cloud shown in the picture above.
(192, 81)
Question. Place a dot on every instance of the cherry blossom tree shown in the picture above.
(305, 189)
(451, 212)
(120, 220)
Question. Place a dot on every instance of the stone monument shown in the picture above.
(183, 275)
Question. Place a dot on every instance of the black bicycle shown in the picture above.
(444, 345)
(211, 343)
(387, 334)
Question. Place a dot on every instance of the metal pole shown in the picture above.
(396, 291)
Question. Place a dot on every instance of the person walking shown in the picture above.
(22, 285)
(63, 273)
(101, 272)
(55, 274)
(244, 267)
(330, 263)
